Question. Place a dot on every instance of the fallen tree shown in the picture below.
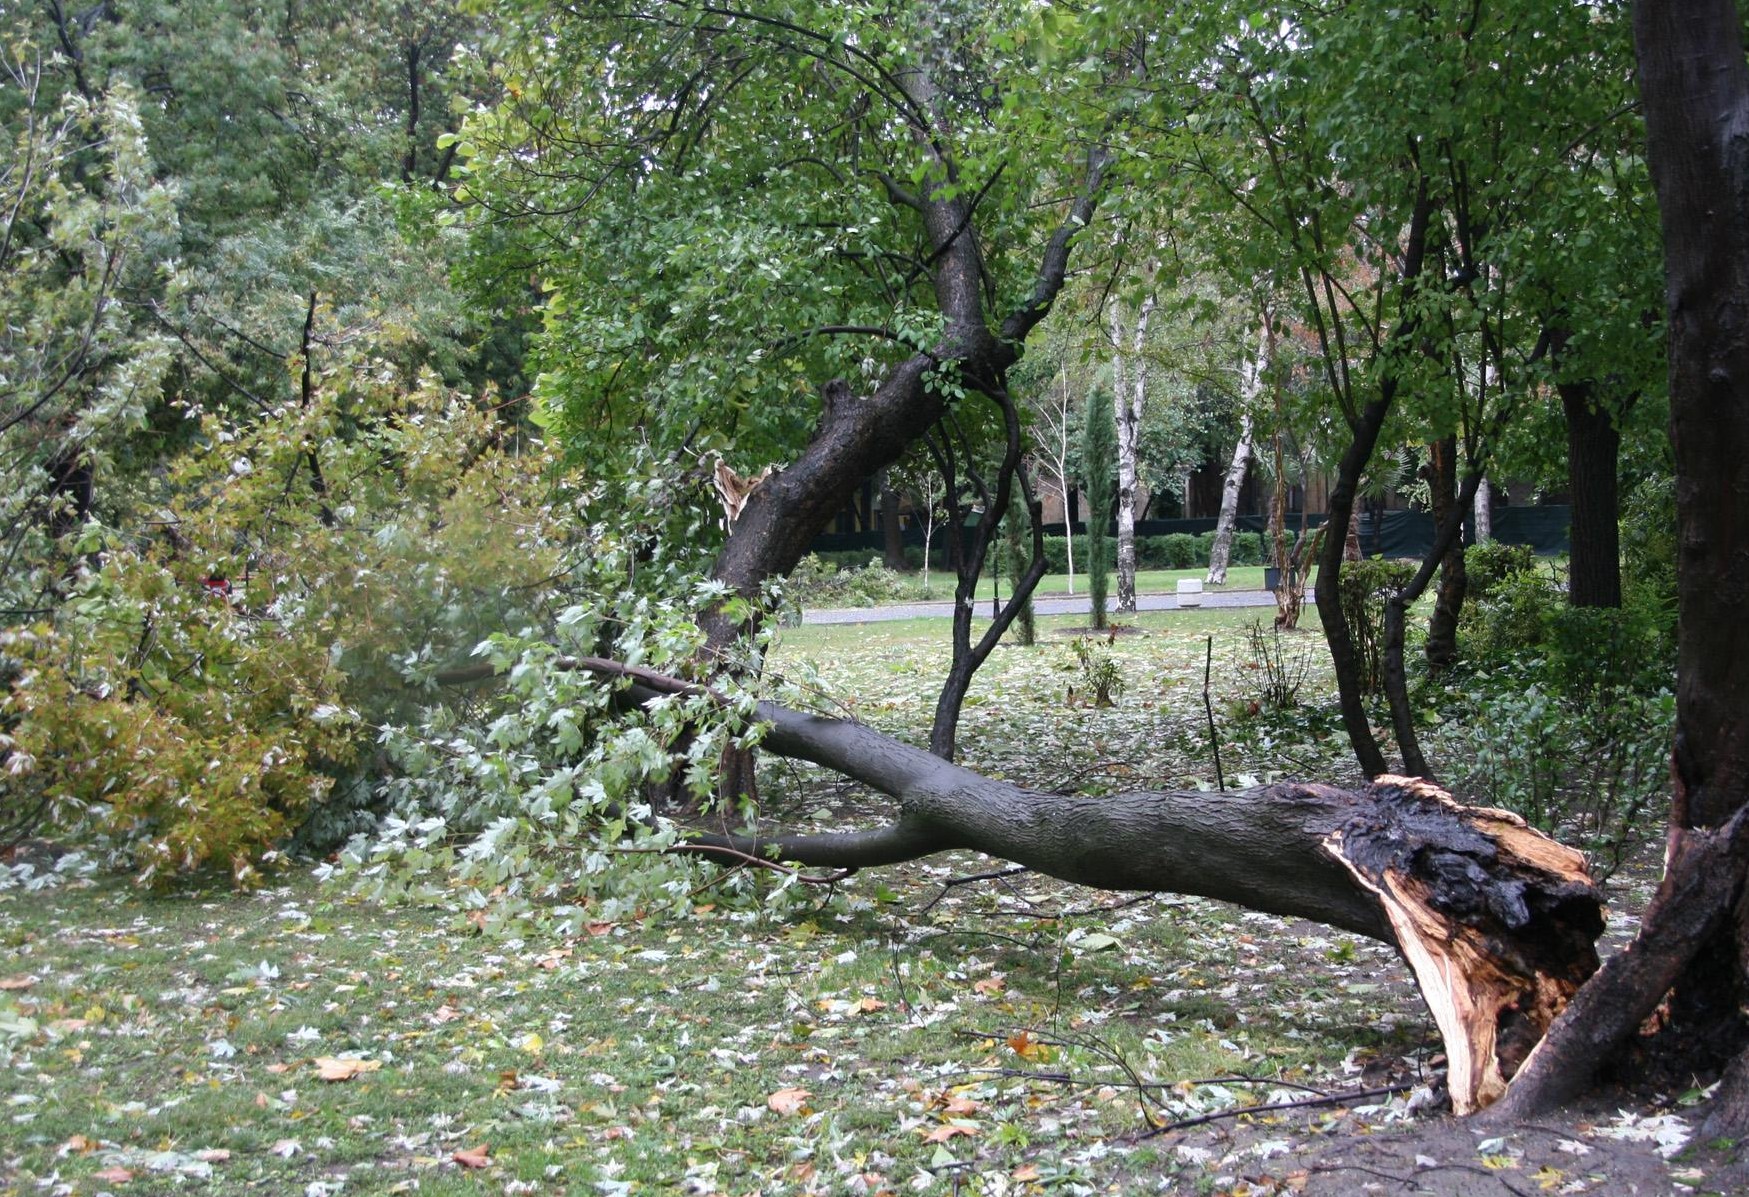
(1496, 920)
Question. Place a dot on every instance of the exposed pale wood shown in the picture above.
(1497, 930)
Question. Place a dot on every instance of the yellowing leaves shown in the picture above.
(1028, 1048)
(334, 1068)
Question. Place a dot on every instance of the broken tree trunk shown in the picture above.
(1496, 920)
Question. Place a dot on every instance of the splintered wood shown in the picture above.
(1497, 921)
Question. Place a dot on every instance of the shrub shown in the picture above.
(1585, 771)
(938, 555)
(1180, 550)
(1098, 466)
(1507, 619)
(1101, 680)
(1247, 549)
(1276, 669)
(1488, 564)
(154, 720)
(1365, 586)
(185, 726)
(815, 582)
(851, 559)
(1648, 544)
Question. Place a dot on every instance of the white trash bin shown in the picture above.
(1190, 592)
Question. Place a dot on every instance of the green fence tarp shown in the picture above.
(1391, 533)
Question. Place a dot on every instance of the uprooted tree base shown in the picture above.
(1497, 921)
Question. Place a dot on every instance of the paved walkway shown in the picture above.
(1064, 605)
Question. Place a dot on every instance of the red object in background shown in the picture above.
(217, 585)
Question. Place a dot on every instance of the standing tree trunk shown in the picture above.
(1017, 540)
(1442, 479)
(1098, 447)
(1250, 385)
(892, 539)
(1447, 537)
(1593, 446)
(1364, 428)
(1484, 512)
(858, 435)
(1128, 402)
(1693, 941)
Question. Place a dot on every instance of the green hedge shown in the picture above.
(1178, 550)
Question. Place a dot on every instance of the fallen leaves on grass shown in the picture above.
(1028, 1048)
(334, 1068)
(474, 1157)
(788, 1101)
(947, 1130)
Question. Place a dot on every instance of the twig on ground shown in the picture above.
(898, 978)
(953, 882)
(746, 858)
(1333, 1099)
(1031, 945)
(1209, 707)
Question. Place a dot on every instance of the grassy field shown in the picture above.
(901, 1035)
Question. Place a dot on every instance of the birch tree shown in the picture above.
(1129, 384)
(1250, 387)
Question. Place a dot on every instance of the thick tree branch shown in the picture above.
(1496, 920)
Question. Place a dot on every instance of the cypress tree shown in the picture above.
(1017, 545)
(1098, 482)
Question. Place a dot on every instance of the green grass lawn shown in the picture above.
(178, 1044)
(891, 1035)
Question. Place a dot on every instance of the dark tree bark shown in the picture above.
(1364, 428)
(410, 157)
(1593, 447)
(1442, 470)
(1338, 524)
(1497, 921)
(1691, 948)
(892, 542)
(1448, 536)
(971, 547)
(860, 435)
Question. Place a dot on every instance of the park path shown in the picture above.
(1061, 605)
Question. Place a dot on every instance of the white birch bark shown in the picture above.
(1484, 502)
(1060, 467)
(1129, 400)
(1250, 386)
